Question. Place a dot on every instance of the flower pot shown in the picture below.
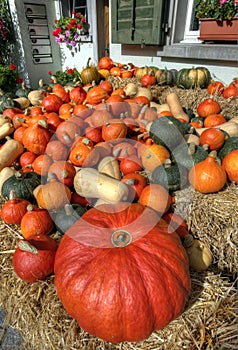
(211, 30)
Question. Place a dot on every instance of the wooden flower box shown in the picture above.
(211, 30)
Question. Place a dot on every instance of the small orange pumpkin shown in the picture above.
(95, 95)
(214, 120)
(156, 197)
(207, 176)
(53, 195)
(114, 129)
(212, 137)
(36, 221)
(207, 107)
(153, 155)
(230, 165)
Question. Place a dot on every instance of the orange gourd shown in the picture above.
(214, 120)
(208, 176)
(36, 221)
(156, 197)
(212, 137)
(36, 137)
(153, 155)
(53, 195)
(230, 165)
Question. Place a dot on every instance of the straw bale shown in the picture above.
(208, 322)
(189, 98)
(213, 218)
(210, 319)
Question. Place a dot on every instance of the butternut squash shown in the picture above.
(143, 91)
(175, 107)
(159, 107)
(90, 183)
(4, 119)
(231, 128)
(6, 129)
(36, 97)
(192, 138)
(110, 166)
(9, 152)
(5, 173)
(23, 102)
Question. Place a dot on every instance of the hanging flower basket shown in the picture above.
(68, 30)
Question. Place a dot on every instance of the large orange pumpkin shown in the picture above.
(120, 274)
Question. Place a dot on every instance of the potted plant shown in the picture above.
(218, 19)
(68, 29)
(9, 78)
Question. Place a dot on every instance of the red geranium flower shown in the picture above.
(12, 66)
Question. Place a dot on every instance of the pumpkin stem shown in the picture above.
(213, 154)
(191, 148)
(131, 181)
(51, 177)
(188, 241)
(121, 238)
(67, 138)
(167, 163)
(30, 207)
(116, 151)
(88, 61)
(12, 195)
(86, 141)
(43, 123)
(68, 209)
(64, 174)
(27, 247)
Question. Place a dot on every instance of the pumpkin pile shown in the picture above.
(101, 166)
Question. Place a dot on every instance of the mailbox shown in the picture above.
(37, 24)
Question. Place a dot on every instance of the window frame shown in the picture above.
(190, 36)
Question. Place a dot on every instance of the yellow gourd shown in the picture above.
(199, 255)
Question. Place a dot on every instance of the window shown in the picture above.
(141, 22)
(191, 31)
(80, 6)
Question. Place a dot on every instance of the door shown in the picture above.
(103, 27)
(40, 52)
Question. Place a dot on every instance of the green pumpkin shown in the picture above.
(9, 103)
(7, 95)
(141, 71)
(169, 131)
(197, 119)
(229, 145)
(171, 175)
(190, 78)
(23, 91)
(189, 154)
(67, 216)
(166, 77)
(22, 183)
(90, 74)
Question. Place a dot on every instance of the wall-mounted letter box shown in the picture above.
(38, 30)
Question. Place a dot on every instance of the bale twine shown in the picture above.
(208, 322)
